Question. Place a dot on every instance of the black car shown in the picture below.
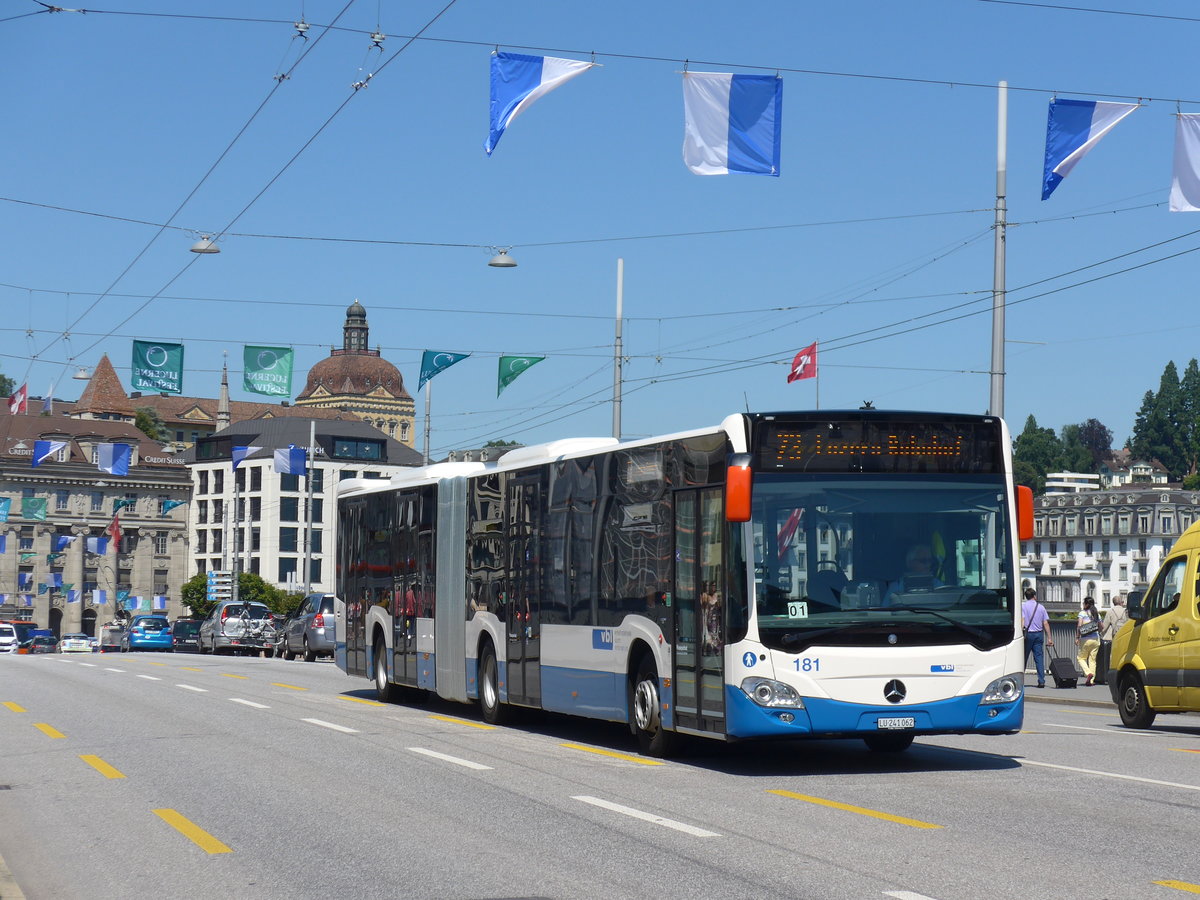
(185, 635)
(44, 643)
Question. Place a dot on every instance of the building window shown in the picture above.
(287, 569)
(255, 509)
(1106, 524)
(216, 541)
(289, 482)
(289, 509)
(26, 540)
(315, 538)
(218, 481)
(1037, 548)
(256, 539)
(163, 500)
(1055, 526)
(218, 511)
(160, 543)
(1072, 525)
(1087, 547)
(62, 499)
(1123, 546)
(256, 478)
(346, 474)
(202, 541)
(1123, 523)
(348, 449)
(203, 488)
(1054, 548)
(1143, 524)
(202, 511)
(287, 540)
(1089, 525)
(1123, 573)
(1168, 525)
(97, 501)
(318, 480)
(314, 571)
(318, 510)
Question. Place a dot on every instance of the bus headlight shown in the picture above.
(1004, 690)
(766, 692)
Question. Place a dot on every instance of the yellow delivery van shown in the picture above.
(1156, 655)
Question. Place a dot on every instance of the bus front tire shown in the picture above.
(385, 691)
(1135, 708)
(493, 711)
(645, 718)
(888, 743)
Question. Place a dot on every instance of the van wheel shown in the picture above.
(888, 743)
(1135, 709)
(494, 712)
(645, 713)
(385, 691)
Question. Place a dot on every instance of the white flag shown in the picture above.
(1185, 184)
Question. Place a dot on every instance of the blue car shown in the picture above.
(147, 633)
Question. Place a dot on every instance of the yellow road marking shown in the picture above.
(361, 700)
(1181, 886)
(188, 668)
(625, 756)
(102, 767)
(48, 730)
(1107, 715)
(193, 832)
(153, 663)
(231, 675)
(478, 725)
(13, 706)
(290, 687)
(1184, 750)
(861, 810)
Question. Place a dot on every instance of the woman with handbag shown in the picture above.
(1087, 636)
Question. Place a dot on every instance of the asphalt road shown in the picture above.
(152, 775)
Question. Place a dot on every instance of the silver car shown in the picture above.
(309, 630)
(237, 627)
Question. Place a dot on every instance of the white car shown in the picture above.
(8, 639)
(75, 643)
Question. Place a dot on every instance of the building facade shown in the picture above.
(253, 518)
(48, 572)
(1103, 543)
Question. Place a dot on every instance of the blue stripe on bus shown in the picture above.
(746, 719)
(584, 692)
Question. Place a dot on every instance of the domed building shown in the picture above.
(358, 380)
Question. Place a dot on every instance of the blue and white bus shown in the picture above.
(784, 575)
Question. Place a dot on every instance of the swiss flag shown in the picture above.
(114, 531)
(19, 401)
(805, 364)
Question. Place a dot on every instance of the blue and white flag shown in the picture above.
(732, 123)
(62, 542)
(44, 449)
(434, 361)
(28, 599)
(99, 597)
(114, 458)
(3, 543)
(1073, 128)
(518, 80)
(73, 596)
(24, 579)
(160, 602)
(56, 579)
(98, 545)
(290, 461)
(240, 453)
(1185, 180)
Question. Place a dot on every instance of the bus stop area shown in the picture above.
(1098, 694)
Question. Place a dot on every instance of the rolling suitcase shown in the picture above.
(1064, 671)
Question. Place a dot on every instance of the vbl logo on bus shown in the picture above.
(602, 638)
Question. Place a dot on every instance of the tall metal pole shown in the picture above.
(428, 385)
(617, 351)
(996, 404)
(308, 475)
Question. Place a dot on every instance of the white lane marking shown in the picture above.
(110, 669)
(1127, 731)
(647, 817)
(150, 677)
(906, 895)
(341, 728)
(188, 687)
(1117, 775)
(248, 703)
(89, 665)
(447, 758)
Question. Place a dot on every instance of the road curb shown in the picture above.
(1036, 696)
(9, 889)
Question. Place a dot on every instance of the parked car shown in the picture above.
(110, 637)
(75, 643)
(8, 638)
(26, 640)
(185, 635)
(147, 633)
(309, 630)
(237, 627)
(43, 643)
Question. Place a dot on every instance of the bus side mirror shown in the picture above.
(1134, 607)
(1024, 513)
(737, 488)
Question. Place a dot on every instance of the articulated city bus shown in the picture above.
(784, 575)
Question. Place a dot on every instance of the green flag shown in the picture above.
(267, 370)
(511, 367)
(26, 557)
(169, 505)
(119, 505)
(157, 367)
(34, 508)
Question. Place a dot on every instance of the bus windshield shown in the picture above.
(904, 560)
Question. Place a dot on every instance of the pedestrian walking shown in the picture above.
(1087, 636)
(1113, 620)
(1036, 623)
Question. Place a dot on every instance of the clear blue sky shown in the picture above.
(122, 111)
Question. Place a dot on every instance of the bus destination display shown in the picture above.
(879, 446)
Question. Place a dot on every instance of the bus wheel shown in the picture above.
(645, 713)
(888, 743)
(385, 691)
(490, 706)
(1135, 709)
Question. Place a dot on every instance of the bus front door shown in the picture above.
(523, 532)
(699, 601)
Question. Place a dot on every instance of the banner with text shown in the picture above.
(267, 370)
(157, 368)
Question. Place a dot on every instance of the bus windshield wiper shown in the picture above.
(961, 626)
(808, 637)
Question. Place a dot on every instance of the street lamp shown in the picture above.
(205, 245)
(501, 260)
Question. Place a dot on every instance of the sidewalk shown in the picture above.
(1085, 695)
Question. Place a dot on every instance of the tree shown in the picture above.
(1189, 424)
(1074, 456)
(251, 588)
(147, 420)
(1158, 430)
(502, 444)
(1097, 439)
(1036, 451)
(7, 385)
